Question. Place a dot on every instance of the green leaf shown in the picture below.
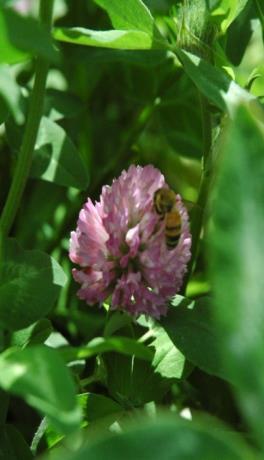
(97, 406)
(35, 334)
(117, 39)
(190, 326)
(122, 345)
(184, 140)
(29, 285)
(12, 444)
(21, 37)
(56, 159)
(116, 321)
(237, 260)
(214, 83)
(131, 14)
(133, 382)
(167, 438)
(228, 10)
(168, 361)
(39, 375)
(10, 95)
(239, 34)
(60, 104)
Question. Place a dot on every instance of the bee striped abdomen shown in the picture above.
(165, 207)
(172, 229)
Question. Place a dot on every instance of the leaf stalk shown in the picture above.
(24, 161)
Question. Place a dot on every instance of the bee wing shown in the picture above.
(190, 205)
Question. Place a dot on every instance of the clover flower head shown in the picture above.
(120, 246)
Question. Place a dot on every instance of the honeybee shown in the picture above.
(165, 206)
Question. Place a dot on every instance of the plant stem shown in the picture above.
(199, 209)
(31, 130)
(89, 380)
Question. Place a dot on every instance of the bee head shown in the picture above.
(164, 200)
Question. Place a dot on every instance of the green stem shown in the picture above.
(89, 380)
(31, 130)
(199, 209)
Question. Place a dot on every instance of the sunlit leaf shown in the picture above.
(34, 334)
(214, 83)
(129, 15)
(168, 361)
(227, 11)
(117, 39)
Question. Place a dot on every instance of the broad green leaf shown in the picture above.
(21, 37)
(167, 438)
(12, 444)
(60, 104)
(39, 376)
(190, 326)
(228, 10)
(96, 406)
(214, 83)
(128, 15)
(168, 361)
(43, 219)
(56, 159)
(34, 334)
(122, 345)
(133, 382)
(29, 285)
(10, 94)
(117, 39)
(239, 34)
(176, 130)
(237, 260)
